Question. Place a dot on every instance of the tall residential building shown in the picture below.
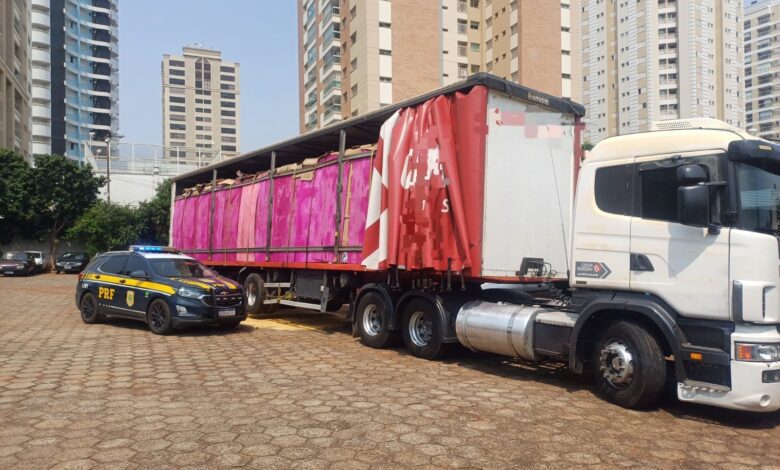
(661, 59)
(75, 69)
(762, 67)
(15, 123)
(353, 58)
(200, 104)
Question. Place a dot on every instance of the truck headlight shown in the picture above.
(190, 293)
(757, 352)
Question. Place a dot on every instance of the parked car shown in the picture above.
(71, 262)
(39, 261)
(159, 286)
(17, 262)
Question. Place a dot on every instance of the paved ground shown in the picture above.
(297, 391)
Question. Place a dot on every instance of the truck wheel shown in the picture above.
(89, 309)
(254, 290)
(422, 330)
(629, 366)
(159, 317)
(373, 321)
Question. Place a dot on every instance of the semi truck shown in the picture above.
(469, 215)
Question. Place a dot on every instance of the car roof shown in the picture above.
(149, 255)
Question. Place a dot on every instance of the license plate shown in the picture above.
(229, 312)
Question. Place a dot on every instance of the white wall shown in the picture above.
(132, 189)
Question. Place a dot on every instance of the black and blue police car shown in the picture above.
(160, 286)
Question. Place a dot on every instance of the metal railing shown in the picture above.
(147, 159)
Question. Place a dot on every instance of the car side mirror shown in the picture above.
(693, 205)
(139, 274)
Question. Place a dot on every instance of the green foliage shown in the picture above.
(62, 191)
(16, 211)
(155, 215)
(107, 226)
(587, 146)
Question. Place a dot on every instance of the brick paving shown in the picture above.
(297, 391)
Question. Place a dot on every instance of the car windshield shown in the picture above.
(180, 267)
(759, 193)
(72, 257)
(15, 256)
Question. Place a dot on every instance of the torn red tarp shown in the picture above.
(426, 199)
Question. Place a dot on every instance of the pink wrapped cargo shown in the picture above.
(419, 202)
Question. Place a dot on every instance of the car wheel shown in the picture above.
(89, 308)
(254, 291)
(159, 317)
(628, 366)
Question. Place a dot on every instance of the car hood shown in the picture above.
(10, 262)
(208, 283)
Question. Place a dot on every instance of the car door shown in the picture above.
(110, 290)
(685, 266)
(136, 297)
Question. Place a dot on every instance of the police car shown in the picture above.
(160, 286)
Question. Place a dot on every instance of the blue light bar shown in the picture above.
(152, 249)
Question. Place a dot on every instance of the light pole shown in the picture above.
(108, 167)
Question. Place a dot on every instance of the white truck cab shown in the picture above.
(677, 229)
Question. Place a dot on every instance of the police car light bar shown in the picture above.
(153, 249)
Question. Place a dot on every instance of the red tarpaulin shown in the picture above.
(425, 205)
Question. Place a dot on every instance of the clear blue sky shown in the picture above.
(259, 34)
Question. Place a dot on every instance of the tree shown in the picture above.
(587, 146)
(107, 226)
(155, 215)
(16, 211)
(62, 191)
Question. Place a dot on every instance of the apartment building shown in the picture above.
(15, 84)
(762, 67)
(356, 56)
(75, 74)
(200, 104)
(661, 59)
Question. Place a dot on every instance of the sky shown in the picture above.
(261, 35)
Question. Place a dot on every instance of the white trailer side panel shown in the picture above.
(529, 182)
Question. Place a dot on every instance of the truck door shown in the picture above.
(135, 297)
(685, 266)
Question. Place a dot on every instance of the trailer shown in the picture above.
(450, 218)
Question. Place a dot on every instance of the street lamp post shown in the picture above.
(108, 168)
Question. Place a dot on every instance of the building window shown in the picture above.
(227, 78)
(177, 117)
(176, 81)
(176, 99)
(227, 69)
(383, 24)
(462, 26)
(177, 127)
(229, 148)
(177, 109)
(228, 122)
(385, 52)
(202, 73)
(228, 96)
(227, 104)
(228, 130)
(386, 79)
(176, 63)
(228, 113)
(178, 72)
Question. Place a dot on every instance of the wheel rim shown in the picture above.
(159, 316)
(420, 329)
(616, 363)
(88, 307)
(372, 320)
(251, 294)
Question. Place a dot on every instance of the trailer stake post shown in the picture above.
(339, 187)
(270, 220)
(212, 201)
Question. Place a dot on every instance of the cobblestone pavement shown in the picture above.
(297, 391)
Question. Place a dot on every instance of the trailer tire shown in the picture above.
(254, 291)
(422, 330)
(373, 321)
(628, 365)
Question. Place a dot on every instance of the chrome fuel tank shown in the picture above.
(505, 329)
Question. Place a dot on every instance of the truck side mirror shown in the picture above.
(690, 175)
(693, 205)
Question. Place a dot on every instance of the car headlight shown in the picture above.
(19, 266)
(757, 352)
(190, 293)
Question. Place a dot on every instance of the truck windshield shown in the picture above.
(178, 267)
(759, 193)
